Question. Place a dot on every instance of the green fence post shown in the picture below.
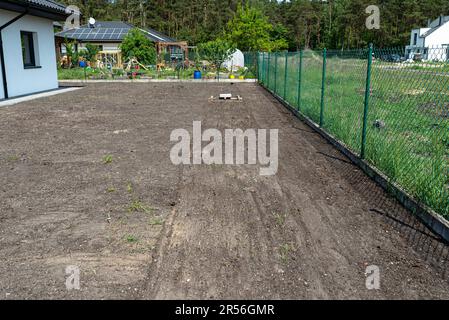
(285, 76)
(275, 71)
(367, 97)
(257, 75)
(265, 70)
(268, 71)
(299, 79)
(323, 86)
(258, 71)
(256, 57)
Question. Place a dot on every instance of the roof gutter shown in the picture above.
(2, 54)
(152, 34)
(34, 9)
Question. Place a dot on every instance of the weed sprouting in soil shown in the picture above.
(280, 218)
(284, 251)
(131, 238)
(13, 158)
(156, 221)
(107, 159)
(139, 206)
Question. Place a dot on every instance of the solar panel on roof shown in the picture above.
(110, 30)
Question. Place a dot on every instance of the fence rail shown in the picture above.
(388, 106)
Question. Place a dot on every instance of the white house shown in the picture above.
(431, 43)
(27, 46)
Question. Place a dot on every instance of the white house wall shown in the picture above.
(20, 80)
(111, 46)
(439, 37)
(2, 94)
(419, 40)
(437, 42)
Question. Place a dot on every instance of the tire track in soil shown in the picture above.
(372, 231)
(222, 241)
(278, 238)
(220, 238)
(296, 276)
(155, 285)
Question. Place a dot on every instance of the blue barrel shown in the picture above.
(197, 75)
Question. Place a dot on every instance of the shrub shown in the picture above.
(89, 53)
(137, 45)
(216, 52)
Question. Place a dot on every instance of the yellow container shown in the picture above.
(231, 76)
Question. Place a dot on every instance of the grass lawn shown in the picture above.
(168, 73)
(408, 119)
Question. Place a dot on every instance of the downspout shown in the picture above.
(2, 55)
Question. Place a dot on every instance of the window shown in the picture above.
(28, 54)
(415, 39)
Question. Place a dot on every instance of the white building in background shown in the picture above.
(430, 43)
(27, 52)
(235, 61)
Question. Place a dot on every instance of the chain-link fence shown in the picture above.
(250, 60)
(389, 106)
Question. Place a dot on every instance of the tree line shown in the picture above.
(294, 24)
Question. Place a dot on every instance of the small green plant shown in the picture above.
(138, 206)
(131, 238)
(280, 218)
(156, 221)
(110, 189)
(129, 187)
(13, 158)
(284, 251)
(107, 159)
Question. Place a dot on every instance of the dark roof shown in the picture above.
(110, 24)
(110, 31)
(50, 4)
(157, 36)
(44, 8)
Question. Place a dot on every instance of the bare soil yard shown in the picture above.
(87, 181)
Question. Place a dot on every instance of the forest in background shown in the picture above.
(315, 24)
